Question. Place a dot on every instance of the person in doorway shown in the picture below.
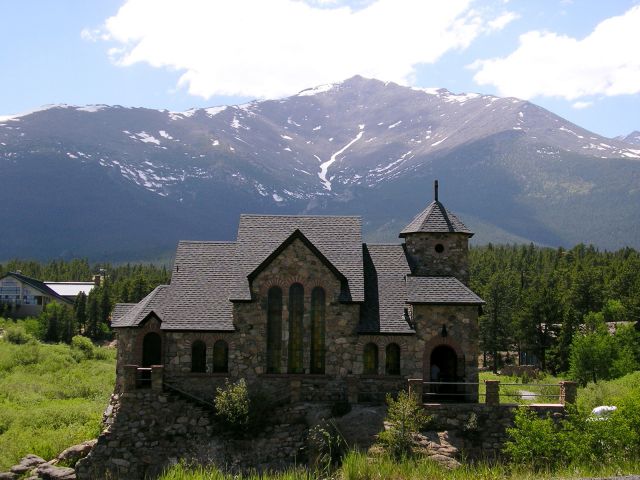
(435, 377)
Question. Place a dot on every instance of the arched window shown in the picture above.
(370, 359)
(198, 356)
(220, 357)
(296, 342)
(317, 330)
(274, 329)
(392, 360)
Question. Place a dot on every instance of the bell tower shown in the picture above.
(437, 243)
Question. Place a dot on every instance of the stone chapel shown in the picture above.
(300, 307)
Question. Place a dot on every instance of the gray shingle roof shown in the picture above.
(121, 309)
(198, 297)
(338, 238)
(138, 312)
(440, 290)
(435, 219)
(385, 269)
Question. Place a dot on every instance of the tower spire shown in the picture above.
(435, 189)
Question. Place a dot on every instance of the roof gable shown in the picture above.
(297, 235)
(38, 285)
(337, 238)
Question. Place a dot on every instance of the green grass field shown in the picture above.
(51, 397)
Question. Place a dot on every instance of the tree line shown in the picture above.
(556, 306)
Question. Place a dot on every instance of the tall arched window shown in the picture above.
(317, 329)
(392, 359)
(370, 359)
(198, 356)
(296, 342)
(220, 357)
(274, 329)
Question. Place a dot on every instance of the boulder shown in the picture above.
(51, 472)
(75, 453)
(361, 425)
(8, 476)
(27, 463)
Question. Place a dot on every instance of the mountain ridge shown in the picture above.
(520, 172)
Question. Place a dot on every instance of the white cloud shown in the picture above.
(580, 105)
(503, 20)
(269, 49)
(606, 62)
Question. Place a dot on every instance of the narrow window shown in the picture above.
(274, 329)
(392, 361)
(317, 330)
(220, 357)
(296, 344)
(198, 357)
(370, 359)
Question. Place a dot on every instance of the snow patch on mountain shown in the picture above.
(325, 166)
(316, 90)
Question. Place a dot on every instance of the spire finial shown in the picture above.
(435, 189)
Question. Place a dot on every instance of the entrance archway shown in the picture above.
(444, 368)
(151, 349)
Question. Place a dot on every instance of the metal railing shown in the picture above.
(492, 392)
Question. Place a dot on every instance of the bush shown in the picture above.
(17, 335)
(82, 348)
(405, 416)
(327, 445)
(233, 405)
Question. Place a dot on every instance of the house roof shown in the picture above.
(385, 269)
(198, 297)
(38, 285)
(440, 290)
(435, 219)
(338, 238)
(125, 315)
(70, 289)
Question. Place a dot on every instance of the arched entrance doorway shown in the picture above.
(444, 368)
(151, 349)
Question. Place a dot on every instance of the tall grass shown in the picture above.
(51, 397)
(359, 466)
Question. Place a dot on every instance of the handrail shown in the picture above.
(189, 396)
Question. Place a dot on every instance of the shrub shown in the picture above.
(327, 445)
(82, 348)
(232, 404)
(17, 335)
(405, 416)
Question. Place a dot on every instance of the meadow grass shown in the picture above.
(51, 397)
(359, 466)
(512, 393)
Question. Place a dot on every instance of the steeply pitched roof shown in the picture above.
(131, 317)
(198, 297)
(435, 219)
(38, 285)
(119, 310)
(338, 238)
(385, 269)
(440, 290)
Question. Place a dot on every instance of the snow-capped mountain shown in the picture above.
(633, 138)
(108, 181)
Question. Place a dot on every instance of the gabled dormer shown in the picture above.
(437, 243)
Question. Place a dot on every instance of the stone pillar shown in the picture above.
(157, 377)
(493, 392)
(568, 392)
(416, 388)
(295, 387)
(352, 389)
(130, 372)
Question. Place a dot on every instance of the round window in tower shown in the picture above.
(439, 248)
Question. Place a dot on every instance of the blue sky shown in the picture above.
(578, 58)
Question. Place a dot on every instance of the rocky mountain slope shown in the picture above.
(126, 183)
